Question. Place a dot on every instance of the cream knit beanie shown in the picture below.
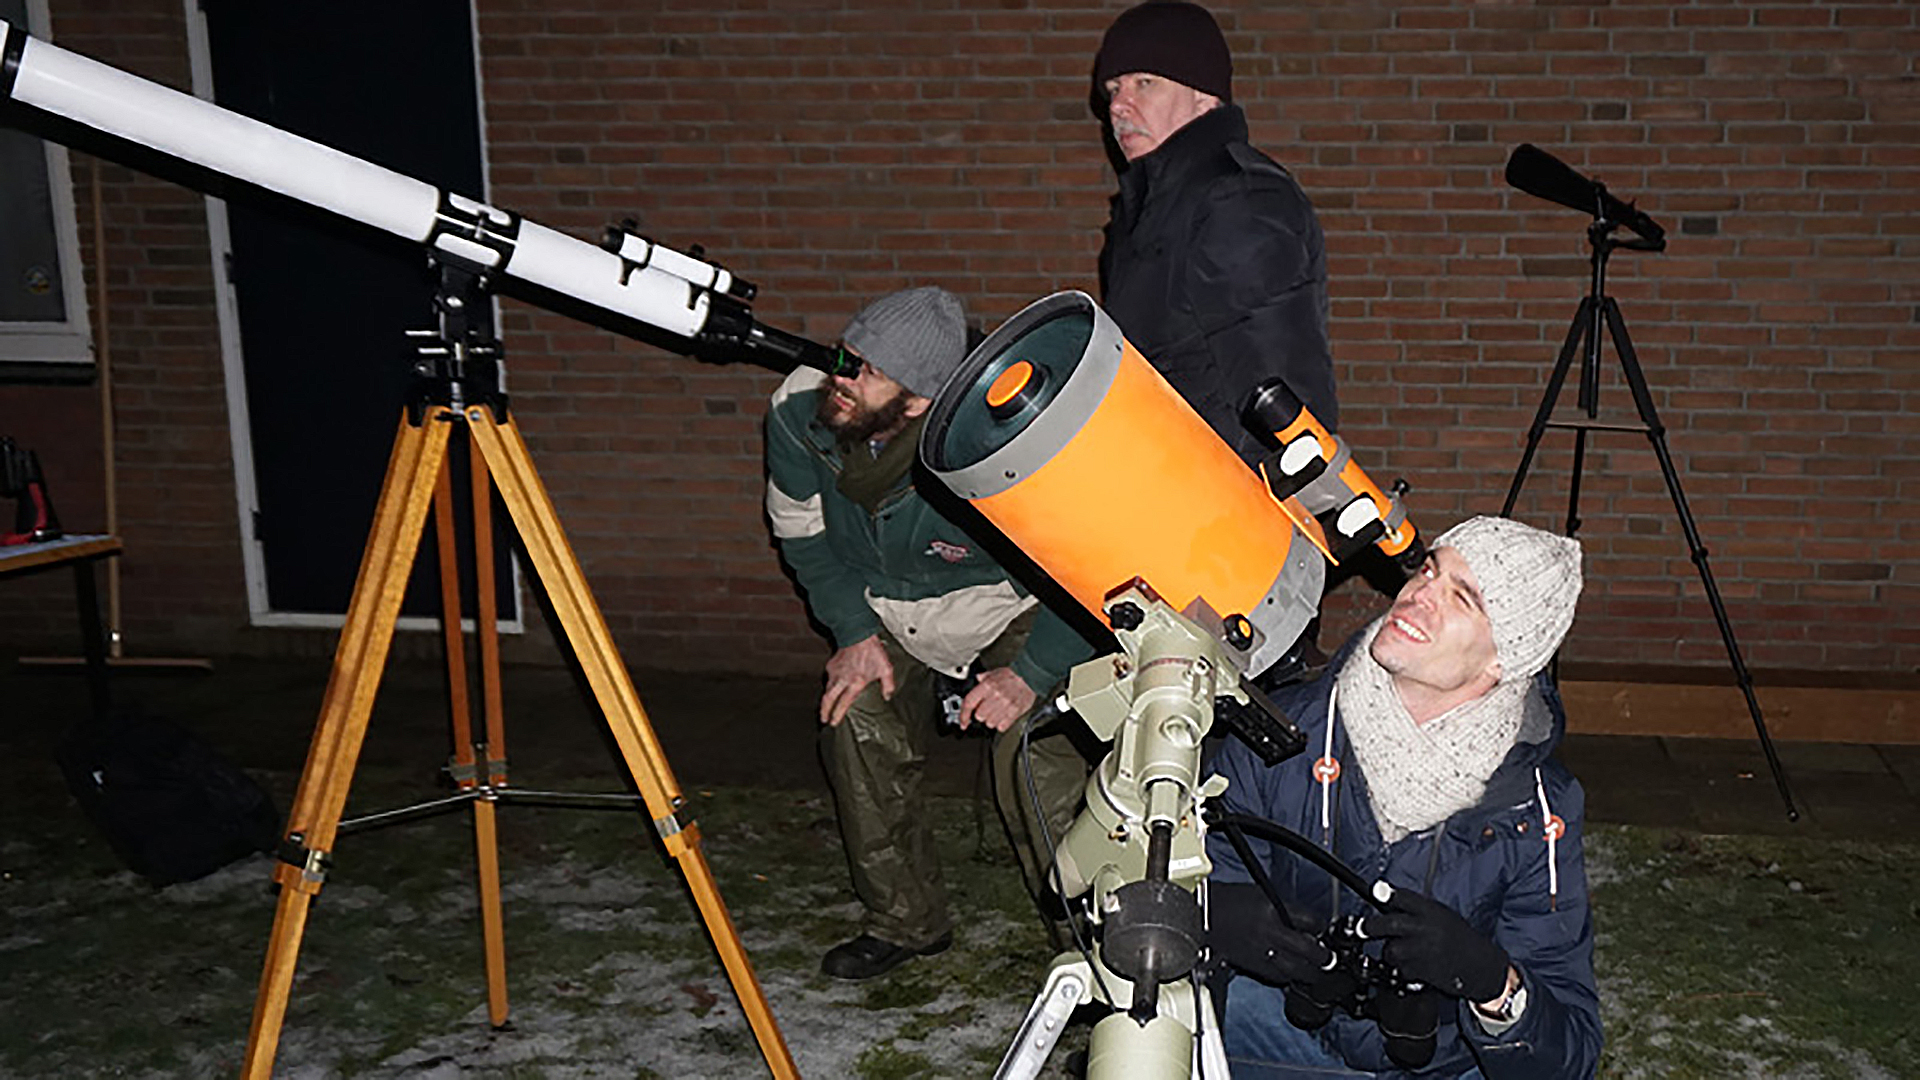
(1530, 582)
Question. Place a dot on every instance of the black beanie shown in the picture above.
(1170, 38)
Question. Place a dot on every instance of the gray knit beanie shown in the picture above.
(1530, 582)
(916, 337)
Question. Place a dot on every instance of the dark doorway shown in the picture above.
(323, 304)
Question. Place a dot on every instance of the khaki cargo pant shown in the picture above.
(876, 760)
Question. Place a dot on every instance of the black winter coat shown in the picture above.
(1215, 269)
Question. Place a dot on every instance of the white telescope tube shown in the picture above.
(87, 92)
(185, 127)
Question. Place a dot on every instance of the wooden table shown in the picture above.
(79, 552)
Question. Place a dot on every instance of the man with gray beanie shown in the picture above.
(913, 604)
(1428, 772)
(1214, 266)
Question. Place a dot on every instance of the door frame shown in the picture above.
(232, 360)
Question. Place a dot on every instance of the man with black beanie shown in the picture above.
(1214, 266)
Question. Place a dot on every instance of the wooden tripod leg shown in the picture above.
(466, 767)
(592, 643)
(453, 639)
(488, 628)
(357, 666)
(493, 929)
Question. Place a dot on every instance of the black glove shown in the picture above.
(1245, 930)
(1429, 942)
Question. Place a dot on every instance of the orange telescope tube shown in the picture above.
(1062, 435)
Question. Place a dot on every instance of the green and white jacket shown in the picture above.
(902, 566)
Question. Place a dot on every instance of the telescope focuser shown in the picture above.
(1327, 494)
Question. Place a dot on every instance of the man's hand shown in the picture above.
(1434, 944)
(849, 670)
(997, 700)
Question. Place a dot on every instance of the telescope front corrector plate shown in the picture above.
(1073, 350)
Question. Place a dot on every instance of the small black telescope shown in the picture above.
(1540, 174)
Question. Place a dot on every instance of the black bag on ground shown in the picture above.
(172, 808)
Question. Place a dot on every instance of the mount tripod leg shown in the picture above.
(1580, 331)
(1657, 435)
(414, 473)
(476, 765)
(559, 571)
(1595, 312)
(358, 661)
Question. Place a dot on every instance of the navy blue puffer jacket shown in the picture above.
(1491, 862)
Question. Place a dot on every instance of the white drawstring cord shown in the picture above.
(1553, 827)
(1326, 770)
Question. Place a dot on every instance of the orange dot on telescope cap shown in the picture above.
(1009, 383)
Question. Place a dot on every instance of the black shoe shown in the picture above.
(867, 956)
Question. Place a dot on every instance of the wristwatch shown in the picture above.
(1511, 1005)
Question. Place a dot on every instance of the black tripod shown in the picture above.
(1598, 311)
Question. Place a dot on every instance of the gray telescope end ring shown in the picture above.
(1056, 425)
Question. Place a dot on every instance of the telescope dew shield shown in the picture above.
(1060, 433)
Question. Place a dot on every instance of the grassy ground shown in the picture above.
(1719, 956)
(1750, 956)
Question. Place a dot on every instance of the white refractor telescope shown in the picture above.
(631, 278)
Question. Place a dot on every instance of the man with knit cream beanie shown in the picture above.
(1428, 772)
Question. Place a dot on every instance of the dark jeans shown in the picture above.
(1262, 1045)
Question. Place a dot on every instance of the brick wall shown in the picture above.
(835, 151)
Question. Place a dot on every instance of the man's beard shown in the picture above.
(863, 423)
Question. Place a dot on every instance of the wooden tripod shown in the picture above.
(417, 476)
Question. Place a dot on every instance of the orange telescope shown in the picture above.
(1064, 437)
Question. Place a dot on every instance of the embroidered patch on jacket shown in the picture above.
(950, 552)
